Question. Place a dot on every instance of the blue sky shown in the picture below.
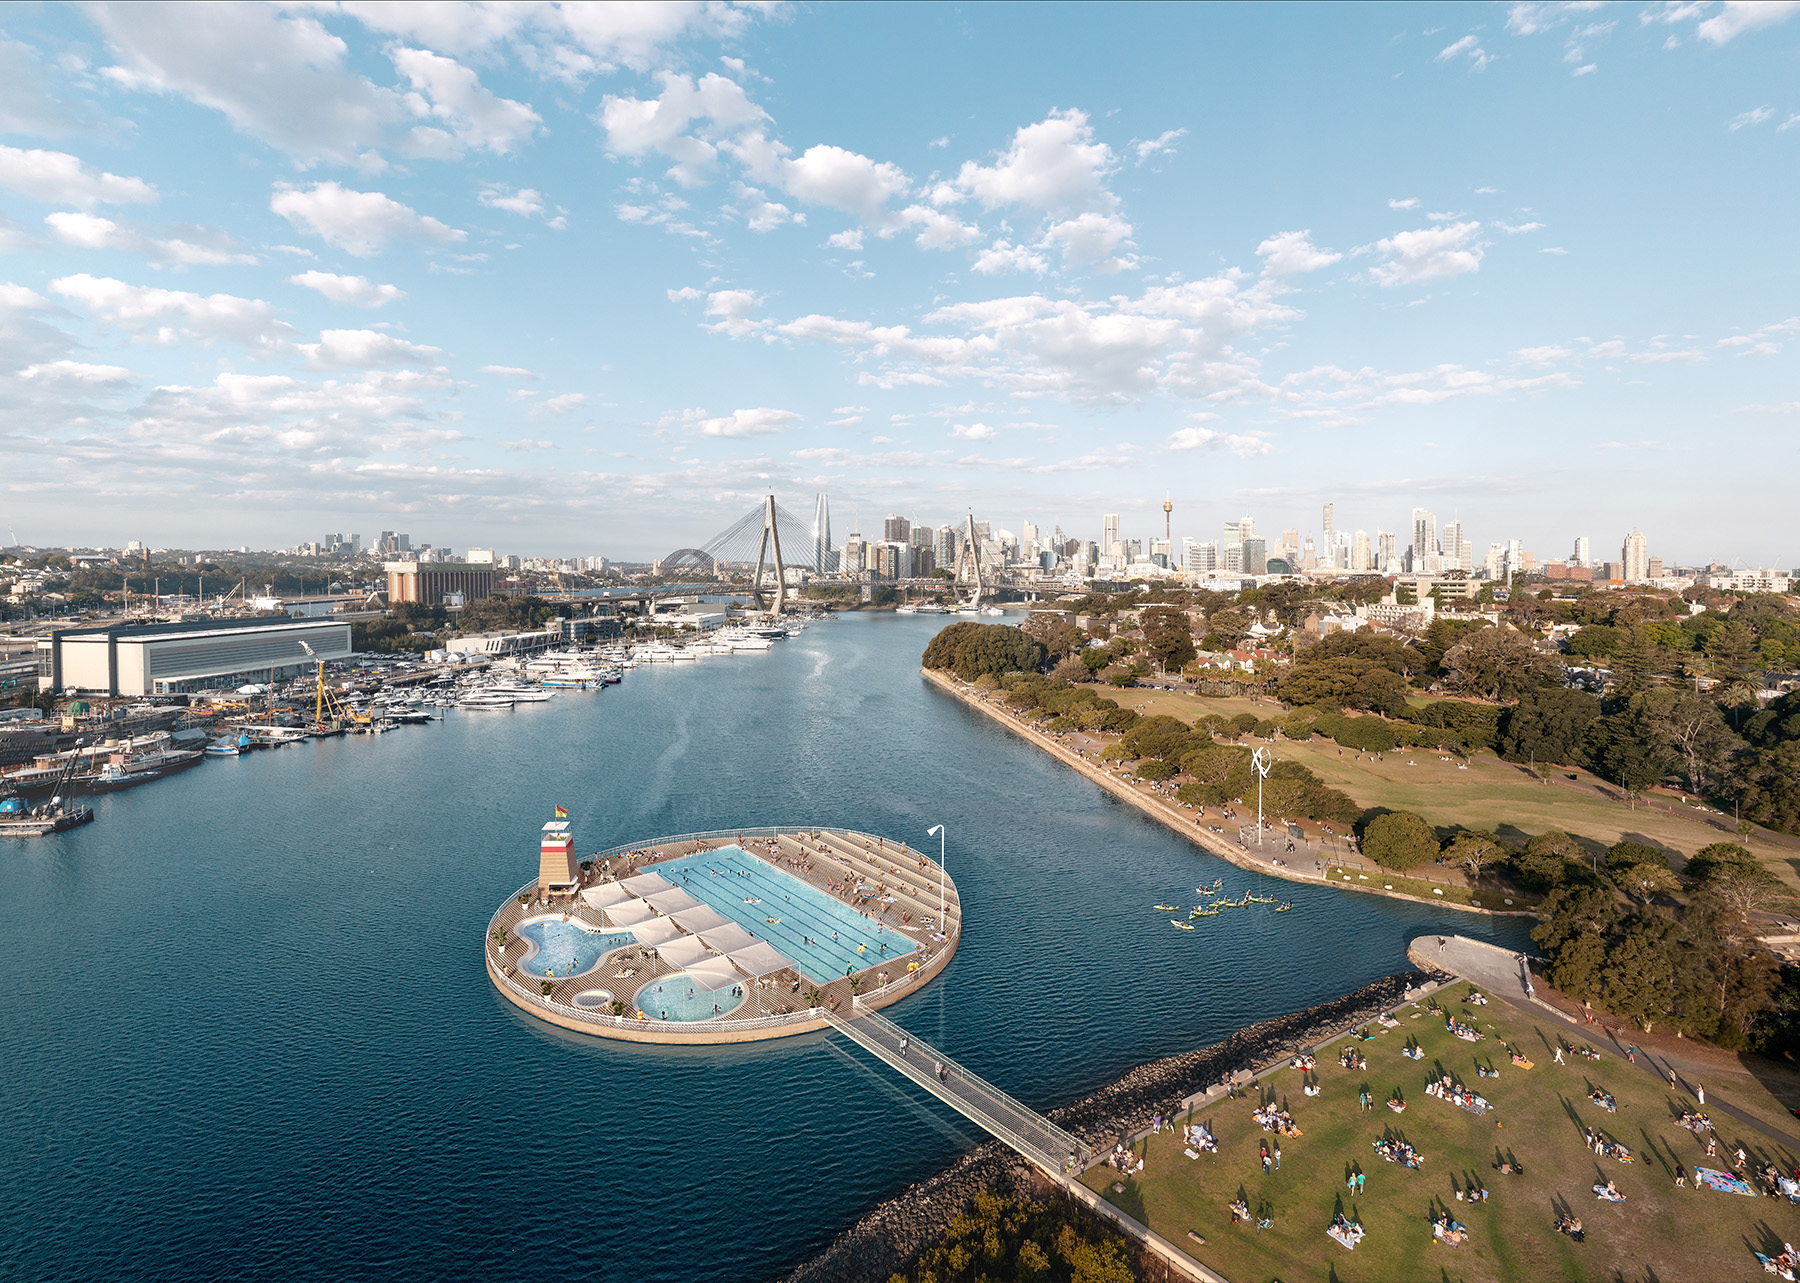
(590, 279)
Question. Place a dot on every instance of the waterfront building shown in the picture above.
(125, 661)
(559, 872)
(1328, 546)
(428, 585)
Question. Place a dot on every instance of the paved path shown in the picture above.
(1501, 975)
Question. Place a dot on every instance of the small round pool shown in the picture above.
(677, 997)
(562, 949)
(594, 999)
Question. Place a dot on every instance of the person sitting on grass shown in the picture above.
(1609, 1192)
(1240, 1210)
(1570, 1224)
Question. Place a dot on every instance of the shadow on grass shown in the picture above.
(1655, 1151)
(1131, 1202)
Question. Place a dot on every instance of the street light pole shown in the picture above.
(938, 829)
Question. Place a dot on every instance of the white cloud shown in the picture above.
(1291, 253)
(1606, 351)
(941, 231)
(75, 372)
(26, 104)
(57, 178)
(848, 421)
(747, 423)
(1411, 202)
(458, 28)
(278, 77)
(686, 293)
(560, 404)
(1585, 69)
(1245, 445)
(1748, 119)
(1470, 47)
(1531, 18)
(1517, 229)
(1428, 254)
(712, 107)
(1004, 256)
(1092, 240)
(366, 350)
(510, 371)
(733, 308)
(355, 291)
(1162, 144)
(846, 181)
(524, 202)
(760, 213)
(1683, 356)
(463, 114)
(1739, 16)
(1542, 356)
(972, 431)
(153, 313)
(850, 239)
(359, 223)
(199, 247)
(1055, 167)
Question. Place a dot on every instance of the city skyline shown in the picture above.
(557, 279)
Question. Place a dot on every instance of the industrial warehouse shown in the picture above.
(125, 661)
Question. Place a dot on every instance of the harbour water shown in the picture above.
(247, 1030)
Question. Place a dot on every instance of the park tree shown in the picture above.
(1637, 980)
(1399, 840)
(1635, 665)
(1475, 850)
(1055, 631)
(1167, 639)
(1550, 860)
(1500, 664)
(1736, 880)
(1548, 724)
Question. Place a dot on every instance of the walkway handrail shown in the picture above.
(980, 1101)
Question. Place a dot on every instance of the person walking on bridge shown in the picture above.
(904, 1043)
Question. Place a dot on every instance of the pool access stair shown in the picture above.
(1030, 1133)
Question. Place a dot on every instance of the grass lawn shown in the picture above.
(1514, 902)
(1490, 794)
(1659, 1232)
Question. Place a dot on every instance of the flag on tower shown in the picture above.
(562, 812)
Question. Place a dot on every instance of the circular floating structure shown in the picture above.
(732, 936)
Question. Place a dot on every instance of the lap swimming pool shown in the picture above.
(565, 949)
(821, 933)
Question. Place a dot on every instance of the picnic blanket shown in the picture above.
(1346, 1237)
(1723, 1182)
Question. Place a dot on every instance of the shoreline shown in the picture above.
(1212, 843)
(892, 1235)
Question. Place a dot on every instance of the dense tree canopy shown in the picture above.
(970, 650)
(1399, 840)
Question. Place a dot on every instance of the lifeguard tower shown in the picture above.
(559, 873)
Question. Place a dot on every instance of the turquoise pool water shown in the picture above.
(677, 997)
(819, 932)
(565, 948)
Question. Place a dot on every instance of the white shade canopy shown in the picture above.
(605, 895)
(704, 918)
(683, 951)
(674, 900)
(629, 913)
(758, 959)
(726, 938)
(647, 884)
(714, 973)
(656, 931)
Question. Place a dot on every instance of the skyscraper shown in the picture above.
(1387, 551)
(1359, 551)
(945, 546)
(1256, 556)
(1456, 547)
(1328, 546)
(1583, 555)
(1109, 538)
(1168, 508)
(824, 554)
(1636, 556)
(1424, 542)
(895, 529)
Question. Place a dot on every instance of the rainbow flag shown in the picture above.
(562, 812)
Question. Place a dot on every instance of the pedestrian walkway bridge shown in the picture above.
(1027, 1131)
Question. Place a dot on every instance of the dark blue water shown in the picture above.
(247, 1031)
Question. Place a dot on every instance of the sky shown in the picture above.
(591, 279)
